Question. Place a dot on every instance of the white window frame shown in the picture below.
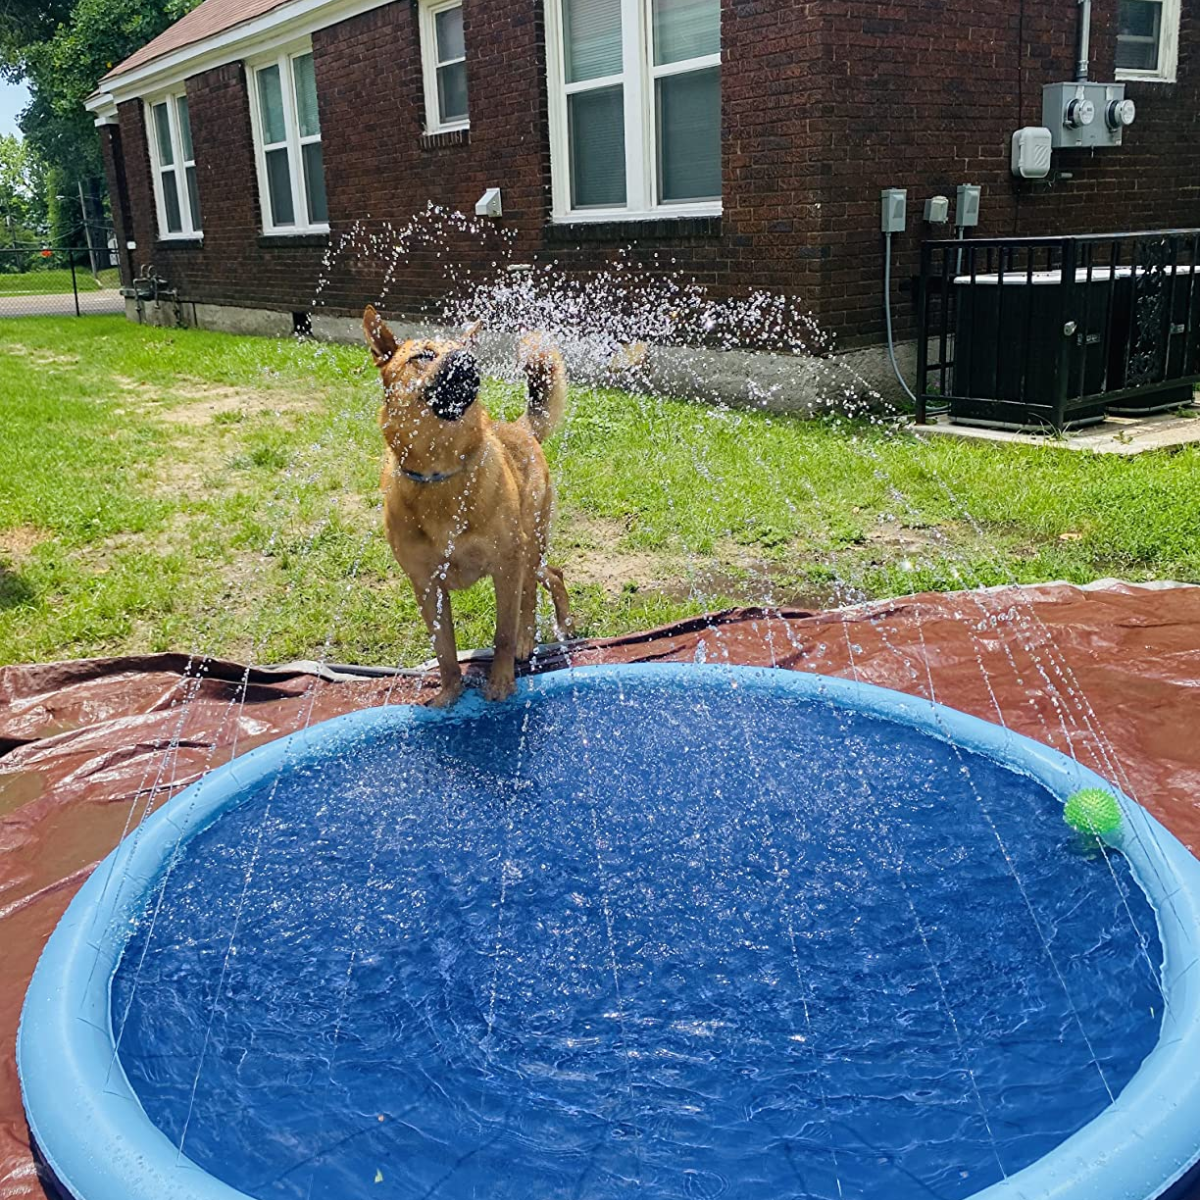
(638, 79)
(293, 141)
(429, 10)
(1168, 48)
(178, 168)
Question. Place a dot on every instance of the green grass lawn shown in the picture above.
(56, 282)
(167, 489)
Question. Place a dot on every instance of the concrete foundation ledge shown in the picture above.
(854, 382)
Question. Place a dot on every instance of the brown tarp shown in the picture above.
(1110, 674)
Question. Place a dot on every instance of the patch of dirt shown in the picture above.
(16, 544)
(196, 404)
(205, 401)
(171, 538)
(200, 412)
(893, 535)
(590, 546)
(615, 570)
(185, 468)
(199, 448)
(361, 512)
(41, 358)
(126, 384)
(591, 555)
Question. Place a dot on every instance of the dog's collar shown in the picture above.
(436, 477)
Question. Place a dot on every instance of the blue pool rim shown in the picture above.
(95, 1137)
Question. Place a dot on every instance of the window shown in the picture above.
(635, 90)
(444, 64)
(174, 165)
(287, 140)
(1148, 40)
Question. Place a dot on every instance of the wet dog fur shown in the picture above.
(465, 496)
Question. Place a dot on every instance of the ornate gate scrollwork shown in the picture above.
(1152, 279)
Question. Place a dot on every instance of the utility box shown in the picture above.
(1032, 151)
(1085, 114)
(937, 210)
(966, 208)
(1124, 356)
(1009, 333)
(893, 210)
(1051, 332)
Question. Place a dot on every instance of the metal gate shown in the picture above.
(1054, 332)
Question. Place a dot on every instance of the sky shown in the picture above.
(13, 98)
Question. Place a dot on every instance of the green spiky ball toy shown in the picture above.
(1093, 810)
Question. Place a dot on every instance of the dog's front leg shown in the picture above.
(502, 678)
(435, 608)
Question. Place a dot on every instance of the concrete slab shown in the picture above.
(1114, 435)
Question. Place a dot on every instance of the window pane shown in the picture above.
(689, 136)
(279, 184)
(686, 29)
(270, 99)
(171, 203)
(1140, 18)
(592, 31)
(1138, 32)
(596, 123)
(450, 41)
(452, 92)
(306, 95)
(314, 183)
(185, 128)
(193, 199)
(162, 131)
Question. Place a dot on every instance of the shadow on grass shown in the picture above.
(15, 590)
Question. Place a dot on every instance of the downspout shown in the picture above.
(1085, 41)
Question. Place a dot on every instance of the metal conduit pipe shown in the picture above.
(1085, 41)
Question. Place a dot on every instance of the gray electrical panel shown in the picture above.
(895, 210)
(1086, 114)
(966, 207)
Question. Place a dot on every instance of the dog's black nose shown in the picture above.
(455, 386)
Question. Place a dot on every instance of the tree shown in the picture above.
(22, 194)
(63, 49)
(24, 23)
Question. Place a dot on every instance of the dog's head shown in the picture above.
(440, 375)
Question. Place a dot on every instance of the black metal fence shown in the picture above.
(56, 281)
(1055, 332)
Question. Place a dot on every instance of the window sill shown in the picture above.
(625, 229)
(1143, 77)
(290, 241)
(180, 243)
(437, 139)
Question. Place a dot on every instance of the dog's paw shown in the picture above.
(499, 687)
(446, 696)
(526, 645)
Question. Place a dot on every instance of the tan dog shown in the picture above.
(465, 496)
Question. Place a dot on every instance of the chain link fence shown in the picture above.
(58, 281)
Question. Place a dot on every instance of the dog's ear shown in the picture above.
(379, 337)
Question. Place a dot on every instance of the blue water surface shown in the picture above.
(682, 942)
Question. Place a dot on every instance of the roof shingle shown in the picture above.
(205, 21)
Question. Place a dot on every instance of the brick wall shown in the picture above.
(234, 264)
(823, 105)
(928, 96)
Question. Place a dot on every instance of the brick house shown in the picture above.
(744, 141)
